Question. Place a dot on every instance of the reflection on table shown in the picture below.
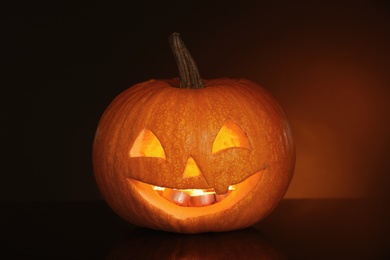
(148, 244)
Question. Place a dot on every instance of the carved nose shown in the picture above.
(191, 169)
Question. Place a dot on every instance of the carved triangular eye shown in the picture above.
(147, 145)
(230, 135)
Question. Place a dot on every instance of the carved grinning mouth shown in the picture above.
(196, 198)
(192, 197)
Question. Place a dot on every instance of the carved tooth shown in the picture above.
(202, 200)
(158, 189)
(160, 192)
(177, 197)
(220, 197)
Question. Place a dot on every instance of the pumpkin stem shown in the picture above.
(189, 74)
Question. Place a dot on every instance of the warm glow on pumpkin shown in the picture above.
(231, 135)
(203, 183)
(147, 145)
(194, 192)
(235, 195)
(191, 169)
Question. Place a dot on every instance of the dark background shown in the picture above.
(327, 62)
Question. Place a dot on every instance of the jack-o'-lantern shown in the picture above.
(191, 155)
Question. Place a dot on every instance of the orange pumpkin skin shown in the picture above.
(186, 122)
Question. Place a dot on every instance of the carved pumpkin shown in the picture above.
(193, 155)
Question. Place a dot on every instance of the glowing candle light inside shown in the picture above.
(192, 197)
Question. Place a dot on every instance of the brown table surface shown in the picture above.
(296, 229)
